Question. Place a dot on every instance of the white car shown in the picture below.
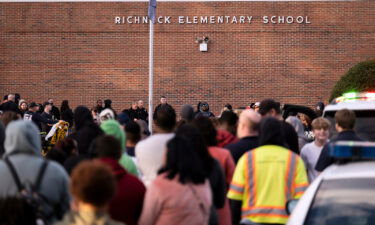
(363, 104)
(344, 194)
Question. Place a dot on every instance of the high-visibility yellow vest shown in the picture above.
(264, 180)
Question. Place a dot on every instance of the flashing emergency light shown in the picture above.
(352, 96)
(353, 150)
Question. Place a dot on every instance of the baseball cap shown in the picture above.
(33, 104)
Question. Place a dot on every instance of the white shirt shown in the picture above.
(150, 155)
(310, 154)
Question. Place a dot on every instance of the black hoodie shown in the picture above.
(85, 129)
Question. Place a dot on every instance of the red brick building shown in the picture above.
(83, 51)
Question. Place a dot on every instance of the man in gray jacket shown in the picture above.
(22, 149)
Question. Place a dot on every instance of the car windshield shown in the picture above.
(344, 202)
(364, 124)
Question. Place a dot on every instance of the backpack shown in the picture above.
(30, 192)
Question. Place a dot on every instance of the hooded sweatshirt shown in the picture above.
(113, 128)
(22, 147)
(130, 190)
(85, 129)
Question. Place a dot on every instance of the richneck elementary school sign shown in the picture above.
(214, 19)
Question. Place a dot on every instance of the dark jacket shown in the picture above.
(133, 114)
(67, 115)
(325, 159)
(157, 108)
(85, 129)
(126, 205)
(55, 112)
(142, 114)
(243, 145)
(38, 119)
(47, 116)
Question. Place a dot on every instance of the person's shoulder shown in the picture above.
(57, 170)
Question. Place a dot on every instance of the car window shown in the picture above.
(344, 202)
(364, 124)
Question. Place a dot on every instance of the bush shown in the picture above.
(361, 77)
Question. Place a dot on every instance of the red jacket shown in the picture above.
(224, 138)
(126, 205)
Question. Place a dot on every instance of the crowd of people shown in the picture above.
(195, 169)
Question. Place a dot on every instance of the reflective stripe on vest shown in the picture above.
(266, 211)
(251, 177)
(290, 174)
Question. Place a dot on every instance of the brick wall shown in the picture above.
(75, 51)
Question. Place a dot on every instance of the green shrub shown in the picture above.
(361, 77)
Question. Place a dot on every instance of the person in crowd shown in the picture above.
(16, 211)
(345, 121)
(23, 154)
(270, 108)
(93, 186)
(145, 132)
(142, 111)
(228, 121)
(106, 114)
(35, 117)
(69, 147)
(2, 139)
(108, 105)
(10, 104)
(132, 111)
(247, 132)
(66, 113)
(208, 131)
(56, 155)
(163, 101)
(8, 117)
(198, 109)
(187, 113)
(298, 127)
(204, 111)
(306, 121)
(130, 190)
(54, 110)
(17, 98)
(22, 107)
(210, 166)
(5, 99)
(227, 107)
(149, 152)
(133, 136)
(256, 106)
(85, 129)
(188, 199)
(123, 119)
(266, 187)
(311, 151)
(319, 108)
(226, 129)
(94, 114)
(99, 106)
(47, 115)
(113, 128)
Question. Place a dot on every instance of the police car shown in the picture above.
(363, 104)
(344, 194)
